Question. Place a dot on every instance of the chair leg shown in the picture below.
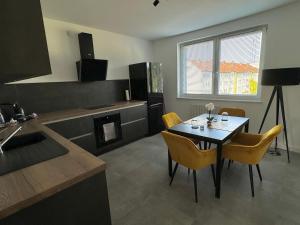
(213, 173)
(229, 163)
(174, 171)
(195, 185)
(209, 145)
(251, 180)
(258, 170)
(200, 145)
(222, 165)
(189, 171)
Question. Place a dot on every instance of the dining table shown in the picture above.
(219, 132)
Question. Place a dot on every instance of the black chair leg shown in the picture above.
(258, 170)
(200, 145)
(222, 165)
(189, 171)
(251, 180)
(213, 173)
(195, 185)
(209, 145)
(229, 163)
(173, 174)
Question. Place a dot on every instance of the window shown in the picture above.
(222, 67)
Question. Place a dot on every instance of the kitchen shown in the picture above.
(51, 132)
(149, 112)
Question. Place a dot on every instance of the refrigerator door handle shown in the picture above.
(157, 104)
(149, 78)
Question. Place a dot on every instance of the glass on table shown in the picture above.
(194, 124)
(224, 116)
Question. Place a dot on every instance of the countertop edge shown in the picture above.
(86, 112)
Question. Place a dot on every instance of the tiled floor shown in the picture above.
(139, 193)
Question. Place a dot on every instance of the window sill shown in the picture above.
(220, 99)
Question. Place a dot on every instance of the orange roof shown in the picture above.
(225, 67)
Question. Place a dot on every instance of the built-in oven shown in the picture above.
(107, 129)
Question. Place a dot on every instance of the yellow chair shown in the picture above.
(171, 119)
(184, 152)
(250, 149)
(233, 112)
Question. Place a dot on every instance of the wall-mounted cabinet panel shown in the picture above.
(23, 45)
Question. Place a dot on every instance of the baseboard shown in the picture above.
(292, 148)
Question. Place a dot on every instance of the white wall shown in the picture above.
(282, 50)
(120, 50)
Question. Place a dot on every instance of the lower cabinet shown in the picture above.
(84, 203)
(87, 142)
(81, 131)
(134, 130)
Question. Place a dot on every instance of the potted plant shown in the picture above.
(210, 107)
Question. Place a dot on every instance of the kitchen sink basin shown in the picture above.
(28, 149)
(23, 140)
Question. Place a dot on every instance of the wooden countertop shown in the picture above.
(25, 187)
(53, 117)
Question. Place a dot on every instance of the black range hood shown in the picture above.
(89, 68)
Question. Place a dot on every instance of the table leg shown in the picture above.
(247, 127)
(170, 164)
(219, 170)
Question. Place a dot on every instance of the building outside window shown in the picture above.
(223, 67)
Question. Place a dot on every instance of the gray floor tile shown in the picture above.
(139, 193)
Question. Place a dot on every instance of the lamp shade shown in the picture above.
(281, 77)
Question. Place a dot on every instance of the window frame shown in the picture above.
(216, 57)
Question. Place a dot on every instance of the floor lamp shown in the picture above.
(279, 78)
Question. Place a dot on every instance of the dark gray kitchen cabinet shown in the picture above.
(84, 203)
(23, 45)
(73, 127)
(133, 113)
(81, 131)
(135, 130)
(87, 142)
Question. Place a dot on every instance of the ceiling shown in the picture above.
(141, 19)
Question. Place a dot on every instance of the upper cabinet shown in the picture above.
(23, 45)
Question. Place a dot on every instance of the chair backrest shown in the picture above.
(171, 119)
(185, 152)
(233, 111)
(266, 140)
(270, 135)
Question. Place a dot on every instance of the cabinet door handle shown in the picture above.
(157, 104)
(81, 136)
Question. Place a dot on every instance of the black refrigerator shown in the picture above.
(146, 83)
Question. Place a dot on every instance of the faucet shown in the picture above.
(3, 142)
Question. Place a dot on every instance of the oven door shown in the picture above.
(107, 129)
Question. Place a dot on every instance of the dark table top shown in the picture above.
(218, 133)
